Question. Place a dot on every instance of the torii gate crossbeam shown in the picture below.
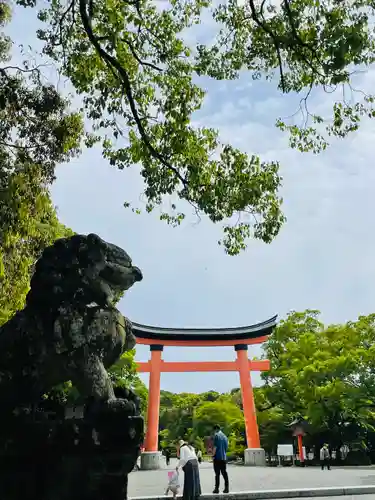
(262, 365)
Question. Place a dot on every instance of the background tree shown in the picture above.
(192, 417)
(142, 392)
(273, 420)
(223, 413)
(37, 132)
(124, 374)
(324, 374)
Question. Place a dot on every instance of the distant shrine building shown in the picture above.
(239, 338)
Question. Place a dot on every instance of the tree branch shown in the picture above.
(274, 39)
(137, 58)
(119, 71)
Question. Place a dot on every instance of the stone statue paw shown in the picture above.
(123, 406)
(124, 393)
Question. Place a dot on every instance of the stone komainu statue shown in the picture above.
(69, 328)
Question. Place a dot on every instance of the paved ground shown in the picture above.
(346, 497)
(152, 483)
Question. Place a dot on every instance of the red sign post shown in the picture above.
(299, 432)
(299, 427)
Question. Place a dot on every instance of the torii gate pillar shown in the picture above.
(150, 459)
(254, 454)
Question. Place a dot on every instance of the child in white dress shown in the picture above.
(173, 483)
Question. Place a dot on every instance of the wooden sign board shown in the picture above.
(285, 450)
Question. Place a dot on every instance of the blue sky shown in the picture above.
(322, 258)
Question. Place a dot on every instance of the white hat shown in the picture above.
(181, 442)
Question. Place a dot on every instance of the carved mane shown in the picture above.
(69, 271)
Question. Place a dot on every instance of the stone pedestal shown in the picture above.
(151, 460)
(59, 459)
(255, 457)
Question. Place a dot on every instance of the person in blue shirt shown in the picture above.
(220, 459)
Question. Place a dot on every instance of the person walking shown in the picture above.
(220, 459)
(199, 456)
(167, 454)
(325, 457)
(189, 464)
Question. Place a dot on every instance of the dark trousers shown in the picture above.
(220, 467)
(325, 463)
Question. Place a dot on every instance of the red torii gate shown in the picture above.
(239, 338)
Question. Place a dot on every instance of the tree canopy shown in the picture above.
(140, 84)
(324, 374)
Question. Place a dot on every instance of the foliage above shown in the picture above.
(140, 84)
(306, 44)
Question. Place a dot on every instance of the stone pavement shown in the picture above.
(154, 483)
(348, 497)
